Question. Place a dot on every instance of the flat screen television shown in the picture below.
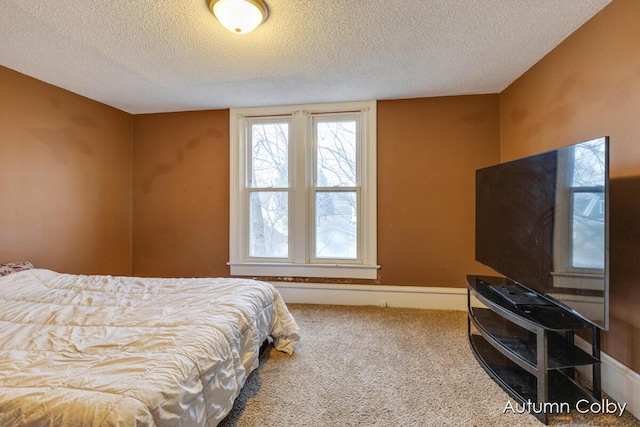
(542, 222)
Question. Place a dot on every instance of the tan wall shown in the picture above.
(65, 185)
(181, 194)
(587, 87)
(428, 151)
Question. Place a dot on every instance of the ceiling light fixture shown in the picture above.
(239, 16)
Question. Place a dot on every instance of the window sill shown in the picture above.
(341, 271)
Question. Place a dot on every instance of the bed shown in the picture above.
(97, 350)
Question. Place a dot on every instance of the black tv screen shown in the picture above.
(542, 222)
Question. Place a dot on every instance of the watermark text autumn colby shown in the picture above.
(582, 406)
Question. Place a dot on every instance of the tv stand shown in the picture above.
(527, 346)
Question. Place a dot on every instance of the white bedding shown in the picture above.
(123, 351)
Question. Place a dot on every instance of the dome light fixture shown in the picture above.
(239, 16)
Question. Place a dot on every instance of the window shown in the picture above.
(587, 205)
(303, 191)
(580, 234)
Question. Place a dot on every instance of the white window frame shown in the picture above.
(300, 262)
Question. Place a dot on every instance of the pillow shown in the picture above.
(14, 267)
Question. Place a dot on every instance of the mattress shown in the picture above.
(122, 351)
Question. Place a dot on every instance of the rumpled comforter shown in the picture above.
(121, 351)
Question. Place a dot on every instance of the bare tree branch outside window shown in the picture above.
(336, 202)
(269, 209)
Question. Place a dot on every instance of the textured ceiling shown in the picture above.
(145, 56)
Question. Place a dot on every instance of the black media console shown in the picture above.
(526, 344)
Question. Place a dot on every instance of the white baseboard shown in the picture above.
(618, 382)
(380, 295)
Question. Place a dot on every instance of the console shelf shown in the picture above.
(527, 347)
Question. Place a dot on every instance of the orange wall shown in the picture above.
(589, 86)
(181, 194)
(65, 185)
(428, 151)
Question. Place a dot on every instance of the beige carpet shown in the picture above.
(373, 366)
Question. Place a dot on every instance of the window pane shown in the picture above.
(336, 225)
(588, 230)
(269, 224)
(336, 153)
(269, 155)
(588, 168)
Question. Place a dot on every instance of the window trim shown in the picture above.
(299, 264)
